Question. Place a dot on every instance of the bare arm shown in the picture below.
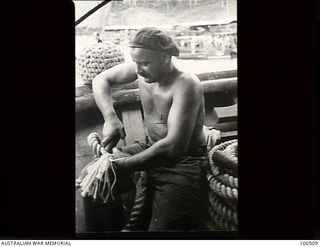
(182, 118)
(101, 85)
(112, 129)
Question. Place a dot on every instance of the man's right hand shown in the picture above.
(112, 131)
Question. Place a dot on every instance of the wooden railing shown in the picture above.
(212, 82)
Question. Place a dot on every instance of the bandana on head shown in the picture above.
(154, 39)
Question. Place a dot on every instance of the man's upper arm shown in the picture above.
(119, 74)
(102, 84)
(184, 112)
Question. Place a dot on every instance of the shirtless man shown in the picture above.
(173, 107)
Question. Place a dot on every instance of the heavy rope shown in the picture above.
(221, 189)
(219, 181)
(231, 204)
(220, 147)
(94, 142)
(222, 209)
(232, 149)
(220, 222)
(223, 184)
(228, 180)
(139, 202)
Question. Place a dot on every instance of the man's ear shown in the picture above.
(165, 57)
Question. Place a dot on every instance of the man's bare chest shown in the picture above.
(156, 102)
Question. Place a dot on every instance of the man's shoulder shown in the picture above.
(118, 74)
(127, 67)
(130, 66)
(189, 80)
(189, 85)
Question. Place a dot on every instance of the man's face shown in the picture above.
(150, 64)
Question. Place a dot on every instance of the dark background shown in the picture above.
(277, 121)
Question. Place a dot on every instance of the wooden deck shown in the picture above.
(220, 91)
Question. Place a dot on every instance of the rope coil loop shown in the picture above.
(228, 180)
(223, 185)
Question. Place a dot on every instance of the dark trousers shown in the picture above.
(177, 190)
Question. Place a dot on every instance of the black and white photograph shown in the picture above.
(156, 116)
(135, 119)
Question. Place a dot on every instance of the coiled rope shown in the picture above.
(232, 149)
(221, 189)
(222, 209)
(223, 183)
(228, 180)
(221, 147)
(220, 221)
(223, 193)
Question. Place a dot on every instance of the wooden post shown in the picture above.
(133, 123)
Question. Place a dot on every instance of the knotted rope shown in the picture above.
(96, 58)
(99, 151)
(97, 181)
(94, 142)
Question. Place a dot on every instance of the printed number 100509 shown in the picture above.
(311, 243)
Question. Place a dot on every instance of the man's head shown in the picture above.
(151, 51)
(154, 39)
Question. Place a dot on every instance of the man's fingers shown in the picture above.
(110, 138)
(106, 140)
(122, 133)
(117, 154)
(115, 151)
(112, 144)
